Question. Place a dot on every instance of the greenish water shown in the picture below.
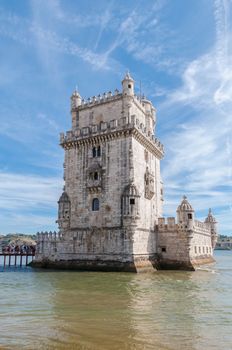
(91, 310)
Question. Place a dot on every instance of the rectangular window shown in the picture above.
(94, 128)
(103, 126)
(113, 124)
(132, 201)
(163, 249)
(85, 131)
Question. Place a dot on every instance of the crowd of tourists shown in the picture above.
(19, 249)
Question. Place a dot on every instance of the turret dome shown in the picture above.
(75, 99)
(75, 94)
(131, 191)
(64, 198)
(210, 218)
(128, 85)
(128, 77)
(185, 205)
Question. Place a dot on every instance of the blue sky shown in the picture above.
(180, 50)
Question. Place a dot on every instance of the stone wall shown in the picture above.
(179, 245)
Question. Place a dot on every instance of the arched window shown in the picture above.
(95, 204)
(99, 151)
(94, 152)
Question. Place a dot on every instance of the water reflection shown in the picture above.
(84, 310)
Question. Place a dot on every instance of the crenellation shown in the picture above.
(171, 223)
(106, 127)
(106, 97)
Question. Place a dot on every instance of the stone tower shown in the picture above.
(113, 190)
(110, 212)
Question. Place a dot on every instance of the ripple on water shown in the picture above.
(83, 310)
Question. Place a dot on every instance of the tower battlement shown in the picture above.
(116, 129)
(167, 224)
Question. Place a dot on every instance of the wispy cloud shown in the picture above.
(28, 191)
(142, 35)
(25, 32)
(28, 203)
(199, 150)
(29, 129)
(27, 223)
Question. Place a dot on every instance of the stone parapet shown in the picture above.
(168, 224)
(99, 99)
(202, 227)
(113, 129)
(107, 97)
(48, 236)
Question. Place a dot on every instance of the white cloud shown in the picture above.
(25, 32)
(28, 192)
(27, 223)
(199, 151)
(28, 203)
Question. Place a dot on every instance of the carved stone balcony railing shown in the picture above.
(124, 123)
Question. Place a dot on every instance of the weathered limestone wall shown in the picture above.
(144, 160)
(113, 169)
(145, 242)
(173, 243)
(94, 249)
(201, 244)
(97, 113)
(178, 244)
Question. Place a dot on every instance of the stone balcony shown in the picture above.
(114, 125)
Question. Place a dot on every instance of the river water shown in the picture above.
(168, 310)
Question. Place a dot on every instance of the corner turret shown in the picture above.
(75, 103)
(64, 210)
(75, 100)
(185, 214)
(130, 204)
(128, 85)
(150, 114)
(211, 221)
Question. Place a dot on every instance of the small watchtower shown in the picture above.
(185, 213)
(128, 85)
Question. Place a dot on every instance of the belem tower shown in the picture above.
(110, 212)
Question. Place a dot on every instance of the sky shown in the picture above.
(180, 50)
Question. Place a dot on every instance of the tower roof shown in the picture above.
(64, 197)
(131, 190)
(76, 93)
(210, 218)
(185, 205)
(128, 77)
